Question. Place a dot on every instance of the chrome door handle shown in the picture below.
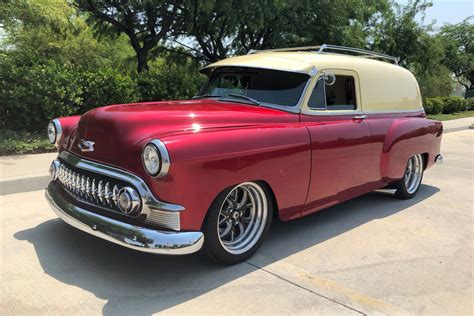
(360, 117)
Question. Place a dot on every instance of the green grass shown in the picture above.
(447, 117)
(15, 143)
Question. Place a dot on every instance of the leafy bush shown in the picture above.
(173, 83)
(453, 105)
(433, 106)
(104, 87)
(447, 105)
(470, 104)
(30, 95)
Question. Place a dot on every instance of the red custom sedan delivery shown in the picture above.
(274, 133)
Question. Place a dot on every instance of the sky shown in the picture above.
(447, 11)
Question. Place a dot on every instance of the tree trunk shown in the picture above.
(142, 61)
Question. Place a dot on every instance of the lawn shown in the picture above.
(447, 117)
(14, 143)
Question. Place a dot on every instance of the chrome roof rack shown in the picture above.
(328, 49)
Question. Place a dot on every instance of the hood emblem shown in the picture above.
(86, 145)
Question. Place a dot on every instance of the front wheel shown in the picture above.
(237, 222)
(410, 183)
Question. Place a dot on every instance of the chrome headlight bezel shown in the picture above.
(162, 155)
(55, 127)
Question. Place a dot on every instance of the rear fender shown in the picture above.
(407, 137)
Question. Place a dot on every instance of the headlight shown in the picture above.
(155, 158)
(54, 131)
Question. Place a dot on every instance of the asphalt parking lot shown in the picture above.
(374, 254)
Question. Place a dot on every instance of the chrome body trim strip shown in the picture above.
(126, 235)
(354, 112)
(149, 202)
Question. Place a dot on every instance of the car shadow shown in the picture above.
(141, 284)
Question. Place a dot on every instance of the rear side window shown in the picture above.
(338, 96)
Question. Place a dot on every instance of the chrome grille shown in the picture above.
(99, 185)
(90, 188)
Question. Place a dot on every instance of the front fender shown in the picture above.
(204, 163)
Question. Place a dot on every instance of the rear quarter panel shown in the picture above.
(403, 137)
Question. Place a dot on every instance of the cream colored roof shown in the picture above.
(303, 62)
(384, 86)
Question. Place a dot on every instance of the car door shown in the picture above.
(342, 162)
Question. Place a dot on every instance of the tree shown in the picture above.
(458, 42)
(39, 31)
(145, 22)
(210, 25)
(398, 33)
(218, 29)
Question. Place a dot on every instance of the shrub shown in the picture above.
(453, 105)
(173, 83)
(30, 95)
(104, 87)
(470, 104)
(433, 105)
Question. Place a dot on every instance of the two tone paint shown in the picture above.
(309, 159)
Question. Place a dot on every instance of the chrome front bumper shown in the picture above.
(123, 234)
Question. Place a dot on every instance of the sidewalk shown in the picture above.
(25, 173)
(457, 125)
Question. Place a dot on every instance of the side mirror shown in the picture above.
(329, 78)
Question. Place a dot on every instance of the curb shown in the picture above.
(23, 184)
(39, 182)
(456, 129)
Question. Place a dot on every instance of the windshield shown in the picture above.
(261, 86)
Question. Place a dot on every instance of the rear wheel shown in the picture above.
(410, 183)
(237, 222)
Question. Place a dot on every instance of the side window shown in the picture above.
(340, 95)
(317, 100)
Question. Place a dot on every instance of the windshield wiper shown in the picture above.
(244, 97)
(206, 96)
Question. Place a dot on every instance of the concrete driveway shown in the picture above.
(374, 254)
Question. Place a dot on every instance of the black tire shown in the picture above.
(213, 246)
(405, 187)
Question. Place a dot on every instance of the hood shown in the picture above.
(119, 130)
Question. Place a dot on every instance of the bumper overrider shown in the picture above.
(124, 234)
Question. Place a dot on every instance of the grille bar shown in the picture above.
(88, 188)
(93, 186)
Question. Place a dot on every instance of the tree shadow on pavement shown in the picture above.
(141, 284)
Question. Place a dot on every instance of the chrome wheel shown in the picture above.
(413, 173)
(242, 217)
